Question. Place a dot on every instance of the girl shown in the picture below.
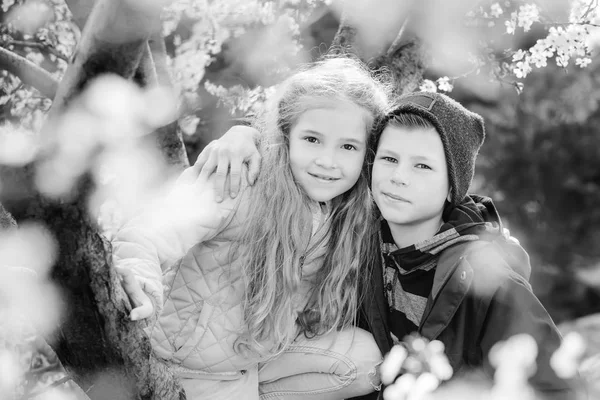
(274, 273)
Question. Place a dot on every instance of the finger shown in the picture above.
(253, 167)
(144, 311)
(221, 176)
(204, 155)
(142, 304)
(235, 176)
(206, 158)
(209, 166)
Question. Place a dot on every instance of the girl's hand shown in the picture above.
(226, 157)
(134, 287)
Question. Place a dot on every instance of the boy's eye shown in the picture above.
(389, 159)
(311, 139)
(349, 147)
(423, 166)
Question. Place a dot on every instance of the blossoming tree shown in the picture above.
(76, 143)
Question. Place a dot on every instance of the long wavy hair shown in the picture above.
(278, 231)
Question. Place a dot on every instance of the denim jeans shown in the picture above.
(245, 388)
(338, 365)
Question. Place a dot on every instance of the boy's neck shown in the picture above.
(407, 235)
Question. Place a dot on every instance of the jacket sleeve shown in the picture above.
(166, 230)
(514, 309)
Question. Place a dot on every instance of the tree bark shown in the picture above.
(28, 72)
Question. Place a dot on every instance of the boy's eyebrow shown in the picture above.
(352, 140)
(413, 157)
(387, 151)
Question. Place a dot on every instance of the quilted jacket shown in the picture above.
(188, 271)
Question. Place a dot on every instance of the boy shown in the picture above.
(447, 270)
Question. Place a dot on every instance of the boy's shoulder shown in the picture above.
(492, 261)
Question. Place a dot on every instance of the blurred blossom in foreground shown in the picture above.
(30, 16)
(26, 256)
(10, 373)
(390, 368)
(414, 369)
(128, 180)
(59, 393)
(111, 114)
(17, 145)
(515, 361)
(565, 360)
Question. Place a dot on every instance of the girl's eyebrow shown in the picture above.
(345, 140)
(311, 131)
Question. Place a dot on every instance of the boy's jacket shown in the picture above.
(480, 296)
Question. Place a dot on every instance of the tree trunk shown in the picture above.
(150, 73)
(405, 58)
(107, 355)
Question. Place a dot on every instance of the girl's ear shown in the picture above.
(449, 197)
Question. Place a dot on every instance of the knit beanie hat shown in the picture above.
(461, 131)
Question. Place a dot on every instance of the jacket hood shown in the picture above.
(477, 217)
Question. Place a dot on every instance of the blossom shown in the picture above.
(519, 54)
(562, 60)
(390, 368)
(444, 84)
(522, 69)
(511, 25)
(583, 62)
(565, 360)
(496, 10)
(528, 14)
(428, 86)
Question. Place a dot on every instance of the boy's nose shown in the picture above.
(399, 177)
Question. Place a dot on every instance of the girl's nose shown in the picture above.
(326, 160)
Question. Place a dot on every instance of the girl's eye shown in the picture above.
(348, 147)
(423, 166)
(311, 139)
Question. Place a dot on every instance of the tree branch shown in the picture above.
(397, 43)
(344, 41)
(38, 45)
(28, 72)
(113, 41)
(80, 9)
(169, 137)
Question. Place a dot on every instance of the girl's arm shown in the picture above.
(165, 231)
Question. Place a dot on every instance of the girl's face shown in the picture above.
(327, 149)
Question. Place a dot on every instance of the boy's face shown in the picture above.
(410, 177)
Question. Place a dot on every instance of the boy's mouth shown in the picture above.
(323, 178)
(395, 197)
